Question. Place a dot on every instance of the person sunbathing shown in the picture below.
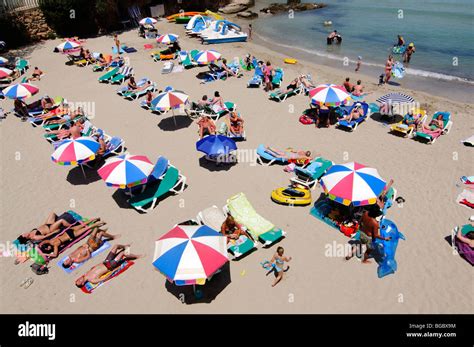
(203, 102)
(62, 109)
(149, 97)
(356, 113)
(435, 127)
(358, 89)
(50, 226)
(74, 132)
(132, 85)
(51, 247)
(411, 120)
(143, 86)
(21, 109)
(227, 69)
(84, 252)
(306, 82)
(36, 75)
(206, 126)
(88, 56)
(294, 84)
(232, 229)
(348, 85)
(290, 154)
(71, 116)
(116, 257)
(217, 103)
(236, 124)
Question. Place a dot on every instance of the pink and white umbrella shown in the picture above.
(207, 57)
(353, 183)
(169, 100)
(167, 38)
(329, 95)
(20, 91)
(75, 151)
(126, 170)
(190, 254)
(4, 72)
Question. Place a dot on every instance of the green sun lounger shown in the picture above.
(310, 173)
(22, 65)
(109, 75)
(124, 73)
(279, 96)
(59, 126)
(147, 200)
(260, 228)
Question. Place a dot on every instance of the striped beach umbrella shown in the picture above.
(353, 183)
(126, 170)
(216, 145)
(68, 45)
(169, 100)
(329, 95)
(190, 254)
(20, 91)
(395, 98)
(4, 72)
(3, 61)
(206, 57)
(167, 38)
(75, 151)
(148, 20)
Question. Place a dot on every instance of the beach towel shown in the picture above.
(130, 50)
(466, 198)
(88, 288)
(76, 266)
(467, 179)
(465, 251)
(122, 49)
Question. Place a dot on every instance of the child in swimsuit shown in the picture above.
(277, 262)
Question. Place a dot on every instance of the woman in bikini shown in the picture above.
(50, 226)
(277, 261)
(290, 154)
(51, 247)
(232, 229)
(435, 127)
(388, 68)
(236, 124)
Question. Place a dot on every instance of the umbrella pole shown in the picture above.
(83, 172)
(174, 118)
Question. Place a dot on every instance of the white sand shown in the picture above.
(430, 279)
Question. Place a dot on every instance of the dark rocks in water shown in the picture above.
(233, 8)
(247, 15)
(279, 8)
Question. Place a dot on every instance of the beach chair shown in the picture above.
(266, 158)
(125, 89)
(186, 60)
(109, 75)
(21, 66)
(257, 79)
(135, 94)
(215, 115)
(309, 174)
(408, 131)
(124, 73)
(257, 226)
(431, 138)
(148, 199)
(214, 217)
(352, 125)
(279, 96)
(277, 78)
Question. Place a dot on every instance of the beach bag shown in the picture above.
(306, 120)
(39, 269)
(290, 167)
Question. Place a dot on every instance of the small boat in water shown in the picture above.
(223, 31)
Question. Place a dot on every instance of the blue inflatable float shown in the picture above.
(384, 253)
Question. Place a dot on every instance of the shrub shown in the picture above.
(13, 31)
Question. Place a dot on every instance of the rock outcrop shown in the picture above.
(278, 8)
(247, 15)
(236, 6)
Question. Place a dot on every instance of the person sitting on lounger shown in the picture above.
(21, 109)
(295, 84)
(290, 154)
(51, 247)
(203, 102)
(232, 229)
(74, 132)
(84, 252)
(356, 113)
(36, 75)
(411, 120)
(116, 257)
(358, 89)
(206, 126)
(305, 82)
(236, 124)
(217, 103)
(132, 85)
(72, 116)
(50, 226)
(435, 127)
(227, 69)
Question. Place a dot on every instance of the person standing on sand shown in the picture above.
(277, 261)
(249, 33)
(388, 68)
(358, 64)
(117, 43)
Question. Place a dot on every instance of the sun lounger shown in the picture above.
(266, 158)
(311, 173)
(167, 67)
(109, 75)
(257, 78)
(21, 66)
(74, 266)
(124, 73)
(277, 78)
(169, 182)
(135, 94)
(408, 131)
(279, 96)
(352, 125)
(88, 287)
(214, 218)
(126, 89)
(185, 58)
(257, 226)
(430, 137)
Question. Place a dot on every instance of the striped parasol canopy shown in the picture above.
(68, 45)
(75, 151)
(395, 98)
(20, 91)
(329, 95)
(126, 170)
(207, 57)
(3, 61)
(169, 100)
(353, 183)
(167, 38)
(190, 254)
(148, 20)
(4, 72)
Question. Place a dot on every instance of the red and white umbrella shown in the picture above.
(126, 170)
(4, 72)
(167, 38)
(20, 91)
(190, 254)
(75, 151)
(329, 95)
(169, 100)
(206, 57)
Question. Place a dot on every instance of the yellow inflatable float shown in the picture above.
(294, 196)
(290, 61)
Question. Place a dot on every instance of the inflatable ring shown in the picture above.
(292, 196)
(290, 61)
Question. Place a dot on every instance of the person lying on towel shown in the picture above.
(116, 257)
(50, 226)
(84, 252)
(51, 247)
(290, 154)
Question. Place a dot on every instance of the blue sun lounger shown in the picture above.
(265, 158)
(352, 125)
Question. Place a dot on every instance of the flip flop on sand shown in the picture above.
(28, 283)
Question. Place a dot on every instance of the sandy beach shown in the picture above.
(430, 278)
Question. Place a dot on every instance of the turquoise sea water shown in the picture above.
(442, 30)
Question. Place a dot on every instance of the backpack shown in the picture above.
(39, 269)
(304, 119)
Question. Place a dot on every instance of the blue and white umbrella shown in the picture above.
(148, 20)
(68, 46)
(207, 57)
(329, 95)
(190, 254)
(20, 91)
(3, 61)
(395, 98)
(213, 145)
(167, 38)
